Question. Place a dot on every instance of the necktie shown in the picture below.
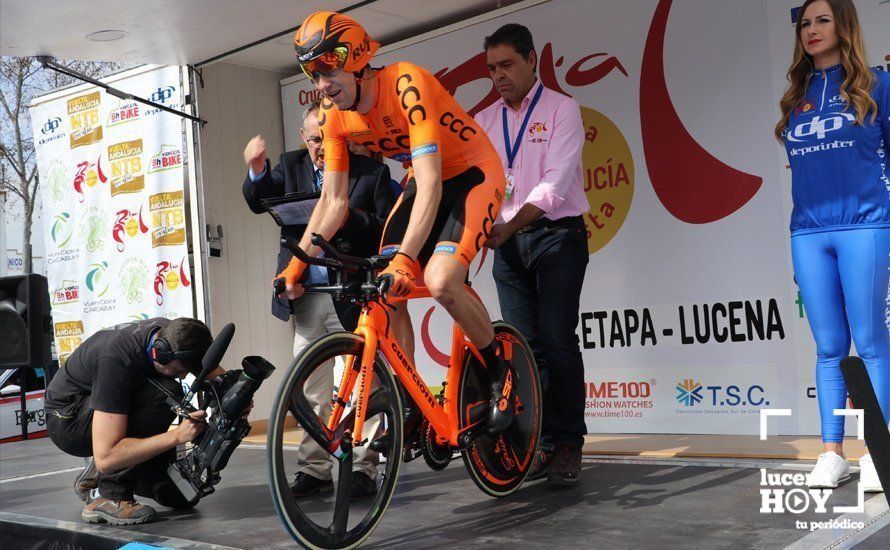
(319, 176)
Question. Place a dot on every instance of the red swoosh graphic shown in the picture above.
(481, 261)
(428, 345)
(693, 185)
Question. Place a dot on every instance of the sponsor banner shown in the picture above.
(125, 160)
(126, 111)
(168, 158)
(85, 125)
(69, 335)
(167, 218)
(113, 206)
(689, 199)
(620, 400)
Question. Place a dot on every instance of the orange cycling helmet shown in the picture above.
(328, 40)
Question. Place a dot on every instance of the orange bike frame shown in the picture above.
(374, 328)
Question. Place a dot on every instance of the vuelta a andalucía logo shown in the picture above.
(68, 335)
(87, 175)
(127, 224)
(169, 277)
(83, 114)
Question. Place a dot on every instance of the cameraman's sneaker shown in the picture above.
(868, 475)
(116, 512)
(830, 470)
(306, 484)
(87, 480)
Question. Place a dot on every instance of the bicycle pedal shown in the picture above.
(381, 444)
(410, 454)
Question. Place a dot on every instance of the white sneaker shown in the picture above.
(868, 475)
(830, 470)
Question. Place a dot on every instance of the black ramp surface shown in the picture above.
(615, 505)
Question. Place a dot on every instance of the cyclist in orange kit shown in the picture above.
(451, 200)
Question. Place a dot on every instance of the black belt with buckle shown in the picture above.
(541, 223)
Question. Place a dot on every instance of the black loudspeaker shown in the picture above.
(25, 324)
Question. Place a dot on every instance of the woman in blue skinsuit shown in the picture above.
(836, 130)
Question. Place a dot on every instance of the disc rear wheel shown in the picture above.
(499, 464)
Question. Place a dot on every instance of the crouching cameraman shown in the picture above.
(102, 405)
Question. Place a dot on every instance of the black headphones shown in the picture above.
(161, 352)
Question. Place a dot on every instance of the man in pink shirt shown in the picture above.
(540, 242)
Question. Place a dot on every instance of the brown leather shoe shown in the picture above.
(87, 480)
(540, 466)
(565, 469)
(116, 512)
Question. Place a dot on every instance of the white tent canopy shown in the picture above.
(173, 32)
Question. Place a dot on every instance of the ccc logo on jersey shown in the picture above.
(487, 222)
(819, 127)
(457, 125)
(388, 145)
(410, 96)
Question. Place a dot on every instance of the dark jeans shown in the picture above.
(71, 431)
(539, 274)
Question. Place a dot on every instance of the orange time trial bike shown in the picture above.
(380, 382)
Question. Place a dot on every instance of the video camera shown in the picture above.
(225, 399)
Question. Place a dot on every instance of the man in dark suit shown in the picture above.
(370, 200)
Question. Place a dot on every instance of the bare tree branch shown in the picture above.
(21, 80)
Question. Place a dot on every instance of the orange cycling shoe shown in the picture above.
(404, 270)
(500, 414)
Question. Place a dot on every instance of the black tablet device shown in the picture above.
(292, 208)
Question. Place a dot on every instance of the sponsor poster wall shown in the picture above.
(112, 180)
(690, 319)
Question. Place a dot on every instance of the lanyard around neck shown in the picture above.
(512, 151)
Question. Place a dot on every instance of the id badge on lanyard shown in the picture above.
(512, 150)
(508, 192)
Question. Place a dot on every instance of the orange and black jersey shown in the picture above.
(412, 116)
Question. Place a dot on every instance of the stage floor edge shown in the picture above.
(621, 501)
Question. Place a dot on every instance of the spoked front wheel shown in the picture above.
(499, 464)
(329, 518)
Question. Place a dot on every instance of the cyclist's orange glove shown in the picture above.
(291, 274)
(404, 270)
